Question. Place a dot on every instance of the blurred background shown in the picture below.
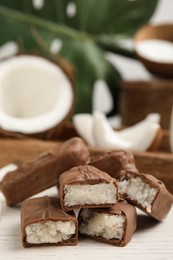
(133, 69)
(95, 36)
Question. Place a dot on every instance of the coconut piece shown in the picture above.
(114, 163)
(43, 222)
(145, 192)
(114, 225)
(84, 127)
(43, 172)
(130, 133)
(107, 138)
(36, 96)
(96, 131)
(87, 187)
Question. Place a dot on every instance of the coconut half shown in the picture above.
(35, 95)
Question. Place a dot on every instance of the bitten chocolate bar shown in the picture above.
(146, 192)
(114, 225)
(114, 162)
(44, 223)
(87, 186)
(43, 172)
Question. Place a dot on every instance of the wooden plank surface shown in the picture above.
(160, 164)
(16, 151)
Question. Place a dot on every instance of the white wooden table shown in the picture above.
(151, 241)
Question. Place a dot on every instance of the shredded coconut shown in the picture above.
(102, 224)
(138, 190)
(49, 232)
(89, 194)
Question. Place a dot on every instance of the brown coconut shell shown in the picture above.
(57, 130)
(160, 32)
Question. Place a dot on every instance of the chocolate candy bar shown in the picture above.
(44, 223)
(114, 162)
(87, 187)
(43, 172)
(146, 192)
(114, 225)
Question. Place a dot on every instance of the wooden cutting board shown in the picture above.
(159, 164)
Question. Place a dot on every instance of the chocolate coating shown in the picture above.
(43, 172)
(114, 162)
(86, 174)
(45, 209)
(120, 208)
(163, 200)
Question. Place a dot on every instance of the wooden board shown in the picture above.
(16, 151)
(160, 164)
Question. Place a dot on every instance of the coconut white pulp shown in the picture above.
(156, 50)
(49, 232)
(137, 189)
(35, 94)
(101, 224)
(89, 194)
(97, 131)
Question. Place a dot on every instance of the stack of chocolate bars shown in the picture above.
(105, 189)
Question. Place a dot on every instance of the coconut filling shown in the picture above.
(138, 190)
(101, 224)
(49, 232)
(89, 194)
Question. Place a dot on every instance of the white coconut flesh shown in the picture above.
(96, 130)
(105, 136)
(35, 94)
(84, 126)
(131, 132)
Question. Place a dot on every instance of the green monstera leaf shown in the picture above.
(87, 28)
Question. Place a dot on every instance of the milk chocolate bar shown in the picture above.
(114, 225)
(87, 187)
(43, 172)
(146, 192)
(114, 162)
(44, 223)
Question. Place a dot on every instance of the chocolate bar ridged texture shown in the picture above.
(43, 172)
(85, 175)
(42, 209)
(120, 208)
(162, 200)
(114, 162)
